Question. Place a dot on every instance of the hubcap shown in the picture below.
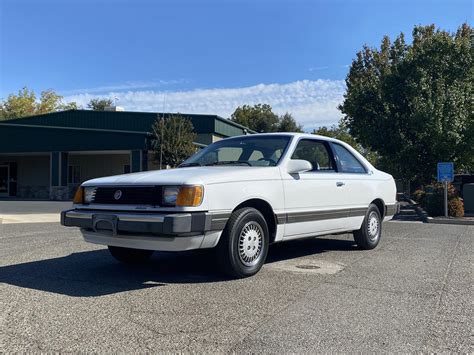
(373, 226)
(250, 243)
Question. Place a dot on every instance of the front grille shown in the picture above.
(140, 195)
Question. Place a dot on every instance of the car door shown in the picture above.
(313, 200)
(356, 187)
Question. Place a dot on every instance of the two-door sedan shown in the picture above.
(238, 195)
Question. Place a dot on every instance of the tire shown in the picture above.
(243, 246)
(368, 236)
(129, 255)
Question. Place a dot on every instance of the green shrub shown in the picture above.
(431, 198)
(418, 195)
(433, 203)
(456, 207)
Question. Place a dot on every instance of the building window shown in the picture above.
(126, 169)
(74, 174)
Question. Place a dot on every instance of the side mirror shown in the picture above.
(296, 166)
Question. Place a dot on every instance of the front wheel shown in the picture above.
(243, 246)
(129, 255)
(368, 236)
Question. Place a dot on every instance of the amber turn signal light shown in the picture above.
(189, 196)
(79, 196)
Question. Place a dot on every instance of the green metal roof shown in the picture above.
(126, 121)
(97, 130)
(28, 139)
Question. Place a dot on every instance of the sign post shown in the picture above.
(445, 175)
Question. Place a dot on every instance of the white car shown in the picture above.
(238, 195)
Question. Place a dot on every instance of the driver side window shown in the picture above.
(316, 152)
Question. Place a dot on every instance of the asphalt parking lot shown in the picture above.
(413, 293)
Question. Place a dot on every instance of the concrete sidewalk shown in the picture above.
(19, 211)
(14, 207)
(29, 218)
(465, 221)
(412, 211)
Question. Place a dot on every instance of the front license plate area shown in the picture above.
(103, 223)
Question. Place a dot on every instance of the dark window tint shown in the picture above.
(349, 163)
(316, 153)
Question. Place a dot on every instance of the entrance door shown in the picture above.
(4, 180)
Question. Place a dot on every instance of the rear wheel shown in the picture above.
(243, 246)
(368, 236)
(129, 255)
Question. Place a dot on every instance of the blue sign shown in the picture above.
(445, 172)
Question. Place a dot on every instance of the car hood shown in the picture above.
(191, 175)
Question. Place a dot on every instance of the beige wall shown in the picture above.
(98, 165)
(216, 138)
(207, 138)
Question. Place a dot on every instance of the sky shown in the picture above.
(204, 56)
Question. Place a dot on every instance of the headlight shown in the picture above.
(170, 194)
(183, 196)
(89, 194)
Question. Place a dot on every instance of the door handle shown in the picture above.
(340, 183)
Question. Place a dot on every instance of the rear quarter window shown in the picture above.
(349, 163)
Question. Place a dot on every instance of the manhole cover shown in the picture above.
(319, 267)
(307, 267)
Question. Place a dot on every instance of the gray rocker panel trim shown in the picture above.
(298, 217)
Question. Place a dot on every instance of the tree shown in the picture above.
(288, 124)
(411, 103)
(25, 104)
(99, 104)
(173, 139)
(341, 132)
(259, 118)
(262, 119)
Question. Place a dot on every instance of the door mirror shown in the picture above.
(296, 166)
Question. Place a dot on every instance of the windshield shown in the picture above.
(245, 151)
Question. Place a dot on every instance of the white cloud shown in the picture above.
(312, 102)
(129, 85)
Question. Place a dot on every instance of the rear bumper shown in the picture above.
(391, 211)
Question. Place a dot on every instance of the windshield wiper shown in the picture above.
(229, 162)
(185, 165)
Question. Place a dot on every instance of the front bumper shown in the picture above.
(167, 224)
(165, 231)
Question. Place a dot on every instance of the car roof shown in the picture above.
(289, 134)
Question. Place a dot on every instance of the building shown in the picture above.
(48, 156)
